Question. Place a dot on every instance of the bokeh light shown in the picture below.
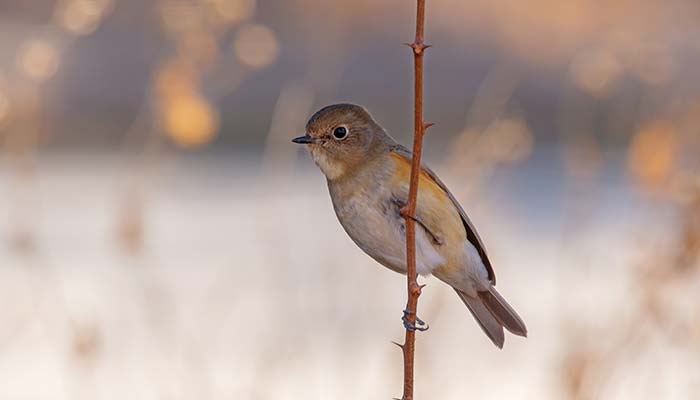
(234, 11)
(37, 59)
(81, 17)
(595, 71)
(190, 121)
(652, 154)
(175, 79)
(187, 117)
(256, 45)
(509, 141)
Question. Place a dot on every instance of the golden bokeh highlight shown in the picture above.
(80, 17)
(256, 45)
(190, 121)
(466, 142)
(234, 11)
(594, 72)
(37, 59)
(652, 153)
(175, 79)
(187, 117)
(508, 141)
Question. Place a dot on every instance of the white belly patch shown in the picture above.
(427, 258)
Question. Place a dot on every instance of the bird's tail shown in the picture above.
(493, 313)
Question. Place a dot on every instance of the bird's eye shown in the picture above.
(340, 132)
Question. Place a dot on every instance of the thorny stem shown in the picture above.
(414, 290)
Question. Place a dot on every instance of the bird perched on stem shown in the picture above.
(368, 179)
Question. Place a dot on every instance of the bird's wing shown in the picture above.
(472, 235)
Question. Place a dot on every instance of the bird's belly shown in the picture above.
(378, 229)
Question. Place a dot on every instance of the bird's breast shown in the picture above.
(371, 217)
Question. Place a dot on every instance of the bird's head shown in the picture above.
(341, 137)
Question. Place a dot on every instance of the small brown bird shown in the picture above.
(368, 177)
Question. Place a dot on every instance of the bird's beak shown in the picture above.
(304, 140)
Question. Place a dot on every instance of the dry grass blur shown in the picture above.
(161, 238)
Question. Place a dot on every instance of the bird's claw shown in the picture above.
(421, 325)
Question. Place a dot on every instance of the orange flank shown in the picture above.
(437, 211)
(427, 184)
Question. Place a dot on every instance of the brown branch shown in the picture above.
(414, 290)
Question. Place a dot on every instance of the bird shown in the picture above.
(368, 175)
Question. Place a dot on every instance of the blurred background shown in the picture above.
(161, 238)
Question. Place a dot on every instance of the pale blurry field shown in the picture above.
(246, 287)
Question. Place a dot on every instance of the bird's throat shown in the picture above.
(333, 169)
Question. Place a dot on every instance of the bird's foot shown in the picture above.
(420, 325)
